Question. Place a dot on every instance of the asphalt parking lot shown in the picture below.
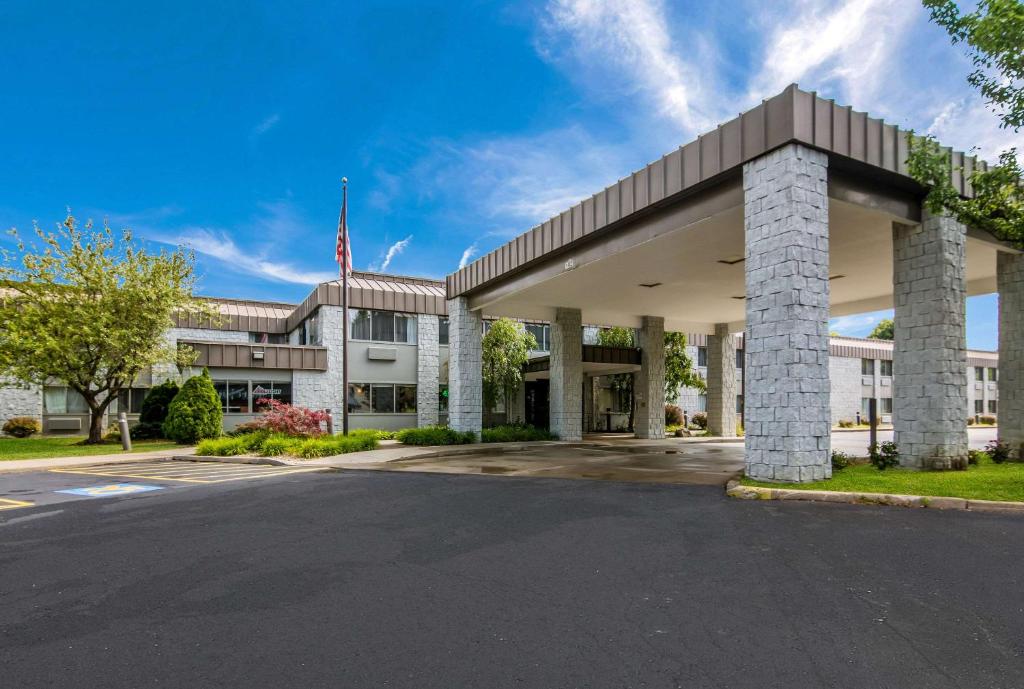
(373, 579)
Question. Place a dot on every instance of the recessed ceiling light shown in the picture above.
(732, 260)
(836, 277)
(741, 298)
(649, 285)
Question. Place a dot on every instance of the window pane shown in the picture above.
(887, 405)
(991, 406)
(886, 365)
(358, 398)
(405, 399)
(383, 326)
(442, 331)
(55, 400)
(993, 375)
(442, 399)
(222, 392)
(360, 325)
(138, 394)
(865, 408)
(383, 399)
(979, 373)
(979, 406)
(867, 367)
(702, 356)
(702, 402)
(739, 359)
(238, 398)
(76, 403)
(405, 329)
(282, 392)
(313, 336)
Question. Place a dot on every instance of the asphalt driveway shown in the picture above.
(372, 579)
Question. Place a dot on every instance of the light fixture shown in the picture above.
(732, 260)
(649, 285)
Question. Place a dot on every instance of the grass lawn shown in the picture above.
(986, 481)
(40, 448)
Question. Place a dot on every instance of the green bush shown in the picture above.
(845, 423)
(157, 402)
(334, 445)
(999, 451)
(987, 421)
(222, 447)
(970, 420)
(435, 435)
(673, 415)
(884, 455)
(840, 460)
(373, 433)
(700, 420)
(194, 413)
(976, 457)
(22, 426)
(515, 434)
(277, 445)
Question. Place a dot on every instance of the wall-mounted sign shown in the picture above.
(570, 264)
(260, 390)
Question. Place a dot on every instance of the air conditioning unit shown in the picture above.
(257, 355)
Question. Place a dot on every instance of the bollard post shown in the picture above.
(873, 420)
(122, 425)
(330, 422)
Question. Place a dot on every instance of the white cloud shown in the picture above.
(468, 254)
(217, 244)
(858, 325)
(266, 125)
(393, 251)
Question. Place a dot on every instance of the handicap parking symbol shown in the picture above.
(110, 490)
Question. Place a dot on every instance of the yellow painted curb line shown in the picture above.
(734, 489)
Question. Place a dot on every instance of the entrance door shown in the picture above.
(537, 404)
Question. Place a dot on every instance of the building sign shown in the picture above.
(262, 391)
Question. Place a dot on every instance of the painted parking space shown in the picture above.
(110, 490)
(187, 472)
(10, 504)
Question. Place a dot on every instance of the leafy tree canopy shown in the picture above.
(884, 330)
(88, 309)
(506, 349)
(679, 368)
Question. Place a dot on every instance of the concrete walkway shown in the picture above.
(60, 462)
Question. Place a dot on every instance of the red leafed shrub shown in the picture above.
(285, 418)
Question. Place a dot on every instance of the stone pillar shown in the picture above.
(930, 343)
(465, 367)
(567, 374)
(599, 421)
(20, 399)
(324, 390)
(787, 305)
(721, 382)
(1010, 278)
(427, 364)
(649, 381)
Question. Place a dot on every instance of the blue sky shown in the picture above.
(227, 126)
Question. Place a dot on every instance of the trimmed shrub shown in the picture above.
(22, 426)
(884, 455)
(334, 445)
(977, 457)
(279, 417)
(999, 451)
(373, 433)
(840, 460)
(673, 415)
(195, 412)
(515, 433)
(277, 445)
(154, 411)
(700, 420)
(987, 421)
(970, 420)
(845, 423)
(222, 447)
(435, 435)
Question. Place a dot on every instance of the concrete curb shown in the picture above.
(238, 459)
(735, 489)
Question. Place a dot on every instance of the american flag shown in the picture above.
(343, 252)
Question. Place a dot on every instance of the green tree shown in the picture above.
(506, 349)
(622, 383)
(884, 330)
(993, 35)
(88, 309)
(154, 410)
(679, 368)
(195, 412)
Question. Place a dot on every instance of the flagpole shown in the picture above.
(344, 308)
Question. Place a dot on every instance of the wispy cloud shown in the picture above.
(858, 325)
(266, 125)
(219, 245)
(467, 255)
(393, 251)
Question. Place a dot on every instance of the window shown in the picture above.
(979, 406)
(865, 405)
(702, 402)
(867, 367)
(282, 392)
(442, 331)
(886, 405)
(267, 338)
(383, 326)
(442, 399)
(405, 399)
(702, 356)
(993, 407)
(542, 333)
(739, 403)
(993, 374)
(358, 398)
(55, 400)
(382, 399)
(309, 331)
(979, 374)
(886, 366)
(739, 359)
(130, 400)
(234, 396)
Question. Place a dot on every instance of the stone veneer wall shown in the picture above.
(787, 262)
(1010, 277)
(649, 381)
(428, 361)
(465, 367)
(845, 377)
(324, 389)
(930, 343)
(566, 372)
(20, 400)
(722, 382)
